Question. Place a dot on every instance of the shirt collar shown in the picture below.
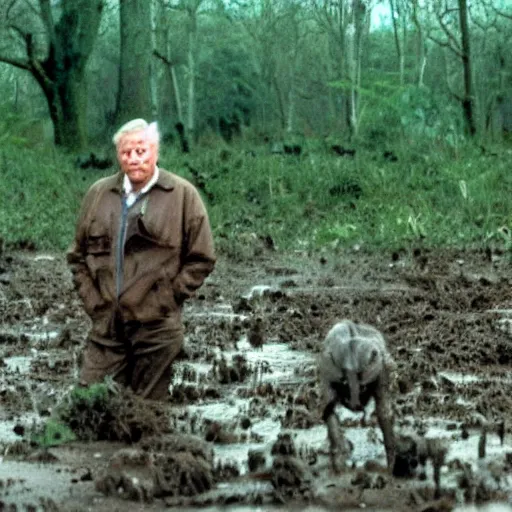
(128, 188)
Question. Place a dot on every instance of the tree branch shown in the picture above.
(18, 63)
(8, 9)
(445, 44)
(503, 14)
(34, 64)
(164, 59)
(451, 41)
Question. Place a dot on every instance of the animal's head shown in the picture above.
(369, 358)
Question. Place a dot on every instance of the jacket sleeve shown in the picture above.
(197, 253)
(82, 279)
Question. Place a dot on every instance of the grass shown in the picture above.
(431, 196)
(41, 194)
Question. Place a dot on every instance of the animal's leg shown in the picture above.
(335, 435)
(437, 451)
(385, 417)
(482, 443)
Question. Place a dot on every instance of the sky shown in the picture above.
(380, 15)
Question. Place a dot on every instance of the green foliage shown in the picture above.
(51, 433)
(89, 410)
(95, 395)
(107, 411)
(409, 112)
(62, 427)
(429, 196)
(434, 193)
(41, 193)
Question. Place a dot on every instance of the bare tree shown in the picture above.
(53, 44)
(165, 51)
(453, 22)
(191, 9)
(333, 19)
(347, 24)
(492, 37)
(421, 47)
(399, 19)
(261, 20)
(280, 30)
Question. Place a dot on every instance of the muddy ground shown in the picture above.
(242, 428)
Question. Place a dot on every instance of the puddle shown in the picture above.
(224, 311)
(279, 361)
(27, 482)
(39, 337)
(18, 364)
(461, 378)
(7, 434)
(314, 438)
(36, 335)
(465, 378)
(281, 364)
(260, 290)
(268, 508)
(490, 507)
(276, 363)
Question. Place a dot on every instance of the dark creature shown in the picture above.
(412, 454)
(256, 333)
(91, 161)
(341, 151)
(180, 128)
(293, 149)
(354, 368)
(390, 156)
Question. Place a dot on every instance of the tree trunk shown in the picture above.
(70, 121)
(468, 99)
(354, 34)
(421, 54)
(134, 99)
(61, 74)
(399, 44)
(191, 125)
(290, 117)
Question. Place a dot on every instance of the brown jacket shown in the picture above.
(167, 254)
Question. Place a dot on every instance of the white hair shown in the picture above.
(138, 125)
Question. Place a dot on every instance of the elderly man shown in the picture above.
(143, 246)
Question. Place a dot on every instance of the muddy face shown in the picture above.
(355, 390)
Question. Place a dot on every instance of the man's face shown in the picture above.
(137, 157)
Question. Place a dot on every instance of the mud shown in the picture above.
(242, 427)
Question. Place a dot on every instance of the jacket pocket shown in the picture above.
(97, 251)
(166, 297)
(152, 302)
(98, 244)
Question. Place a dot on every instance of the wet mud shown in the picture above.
(242, 427)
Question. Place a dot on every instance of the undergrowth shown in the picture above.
(431, 195)
(101, 411)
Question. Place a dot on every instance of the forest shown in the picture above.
(286, 109)
(354, 157)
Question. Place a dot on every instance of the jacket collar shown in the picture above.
(165, 181)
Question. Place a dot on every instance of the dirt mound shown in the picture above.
(102, 412)
(172, 465)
